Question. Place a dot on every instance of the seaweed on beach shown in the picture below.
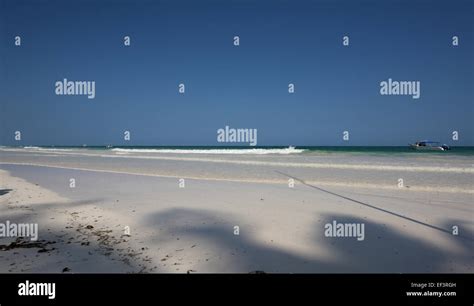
(21, 243)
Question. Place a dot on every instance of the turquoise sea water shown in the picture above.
(384, 150)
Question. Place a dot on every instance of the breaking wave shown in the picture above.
(256, 151)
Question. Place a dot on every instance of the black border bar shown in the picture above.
(318, 289)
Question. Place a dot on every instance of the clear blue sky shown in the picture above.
(337, 87)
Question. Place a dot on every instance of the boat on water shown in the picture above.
(429, 146)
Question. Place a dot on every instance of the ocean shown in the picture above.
(376, 167)
(262, 150)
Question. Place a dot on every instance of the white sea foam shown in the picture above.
(48, 149)
(290, 150)
(125, 153)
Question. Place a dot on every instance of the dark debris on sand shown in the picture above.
(21, 243)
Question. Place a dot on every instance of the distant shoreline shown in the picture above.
(455, 150)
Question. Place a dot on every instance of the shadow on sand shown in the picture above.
(382, 250)
(5, 191)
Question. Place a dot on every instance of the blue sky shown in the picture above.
(281, 42)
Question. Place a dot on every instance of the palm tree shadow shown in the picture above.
(382, 250)
(387, 250)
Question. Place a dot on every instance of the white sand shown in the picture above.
(192, 229)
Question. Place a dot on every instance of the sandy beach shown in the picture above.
(130, 212)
